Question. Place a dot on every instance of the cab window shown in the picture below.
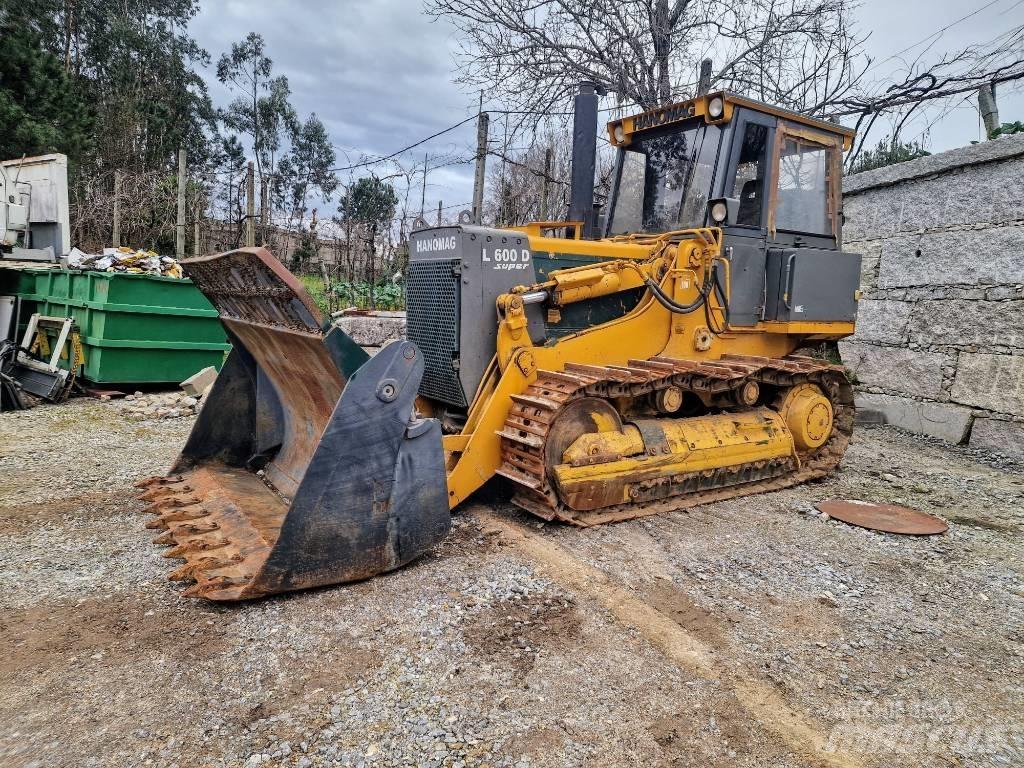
(664, 180)
(751, 168)
(801, 203)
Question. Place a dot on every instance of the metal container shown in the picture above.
(135, 329)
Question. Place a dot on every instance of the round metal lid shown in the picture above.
(890, 518)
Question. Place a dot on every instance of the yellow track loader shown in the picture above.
(605, 367)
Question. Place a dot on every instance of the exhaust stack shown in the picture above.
(584, 157)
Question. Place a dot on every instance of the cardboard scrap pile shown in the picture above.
(126, 260)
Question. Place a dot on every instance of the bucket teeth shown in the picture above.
(183, 530)
(183, 572)
(195, 568)
(157, 506)
(155, 494)
(194, 529)
(187, 513)
(191, 512)
(165, 519)
(213, 563)
(201, 589)
(186, 571)
(196, 545)
(158, 480)
(164, 492)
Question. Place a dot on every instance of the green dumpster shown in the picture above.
(20, 283)
(135, 329)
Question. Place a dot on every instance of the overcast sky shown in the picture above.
(380, 74)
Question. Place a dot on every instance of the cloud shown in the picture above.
(378, 74)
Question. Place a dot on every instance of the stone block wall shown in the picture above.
(939, 347)
(371, 329)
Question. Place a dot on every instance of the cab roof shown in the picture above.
(621, 132)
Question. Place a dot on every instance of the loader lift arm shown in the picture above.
(679, 263)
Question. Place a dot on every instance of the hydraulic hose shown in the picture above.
(719, 291)
(673, 306)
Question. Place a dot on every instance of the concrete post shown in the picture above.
(988, 108)
(179, 250)
(545, 213)
(250, 206)
(481, 162)
(704, 80)
(116, 235)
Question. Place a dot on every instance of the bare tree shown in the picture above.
(802, 54)
(532, 53)
(521, 179)
(147, 209)
(949, 80)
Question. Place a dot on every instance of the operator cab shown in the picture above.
(770, 178)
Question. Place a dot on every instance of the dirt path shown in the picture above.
(755, 697)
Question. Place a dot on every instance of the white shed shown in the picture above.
(42, 183)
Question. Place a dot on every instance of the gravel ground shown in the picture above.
(753, 632)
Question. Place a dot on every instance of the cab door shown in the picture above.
(805, 198)
(808, 278)
(747, 178)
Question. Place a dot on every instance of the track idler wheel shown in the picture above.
(588, 415)
(808, 414)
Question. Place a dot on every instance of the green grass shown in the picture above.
(315, 285)
(345, 294)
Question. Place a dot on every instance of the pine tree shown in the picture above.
(41, 109)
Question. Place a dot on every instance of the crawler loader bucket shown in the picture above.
(307, 465)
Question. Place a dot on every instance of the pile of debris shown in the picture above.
(141, 406)
(126, 260)
(159, 405)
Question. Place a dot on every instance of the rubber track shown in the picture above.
(524, 436)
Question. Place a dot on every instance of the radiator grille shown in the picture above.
(432, 307)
